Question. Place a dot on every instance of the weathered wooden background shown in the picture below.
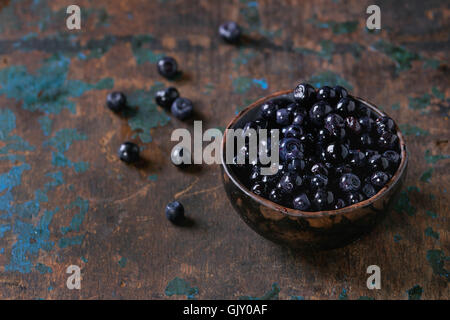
(66, 199)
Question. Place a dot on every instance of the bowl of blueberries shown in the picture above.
(342, 161)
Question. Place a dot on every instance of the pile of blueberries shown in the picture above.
(334, 151)
(169, 99)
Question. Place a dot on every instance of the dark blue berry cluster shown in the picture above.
(334, 151)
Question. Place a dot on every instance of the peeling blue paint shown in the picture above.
(77, 219)
(70, 241)
(272, 294)
(180, 287)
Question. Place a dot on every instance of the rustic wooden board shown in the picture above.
(65, 198)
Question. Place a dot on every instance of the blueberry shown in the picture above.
(129, 152)
(167, 67)
(182, 108)
(357, 159)
(352, 124)
(323, 199)
(296, 165)
(276, 196)
(366, 123)
(342, 169)
(318, 181)
(354, 197)
(345, 106)
(379, 179)
(304, 93)
(326, 93)
(259, 189)
(387, 141)
(283, 117)
(319, 168)
(377, 163)
(302, 202)
(335, 124)
(175, 212)
(299, 119)
(166, 97)
(269, 110)
(335, 153)
(339, 204)
(289, 182)
(393, 158)
(365, 140)
(307, 139)
(291, 148)
(116, 101)
(341, 92)
(349, 182)
(230, 32)
(384, 124)
(318, 112)
(368, 190)
(292, 131)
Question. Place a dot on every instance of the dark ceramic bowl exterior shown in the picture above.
(308, 230)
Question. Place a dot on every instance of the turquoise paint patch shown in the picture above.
(180, 287)
(84, 259)
(401, 56)
(244, 57)
(123, 262)
(328, 78)
(397, 237)
(77, 219)
(272, 294)
(42, 268)
(297, 298)
(337, 28)
(70, 241)
(49, 89)
(243, 84)
(46, 125)
(412, 130)
(431, 233)
(419, 103)
(431, 64)
(3, 229)
(403, 205)
(436, 259)
(145, 114)
(395, 106)
(429, 158)
(12, 178)
(141, 50)
(249, 10)
(2, 250)
(13, 143)
(365, 298)
(438, 93)
(426, 176)
(30, 240)
(61, 141)
(153, 177)
(432, 214)
(343, 295)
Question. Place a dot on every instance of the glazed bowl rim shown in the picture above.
(312, 214)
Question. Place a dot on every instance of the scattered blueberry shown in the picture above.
(167, 67)
(116, 101)
(230, 31)
(129, 152)
(182, 108)
(175, 212)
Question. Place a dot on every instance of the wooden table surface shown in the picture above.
(66, 199)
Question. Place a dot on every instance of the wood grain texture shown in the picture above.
(65, 198)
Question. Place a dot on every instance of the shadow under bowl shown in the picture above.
(301, 229)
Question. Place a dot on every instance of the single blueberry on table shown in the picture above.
(302, 202)
(175, 212)
(230, 31)
(116, 101)
(167, 67)
(182, 108)
(164, 98)
(129, 152)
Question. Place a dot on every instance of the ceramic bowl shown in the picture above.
(300, 229)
